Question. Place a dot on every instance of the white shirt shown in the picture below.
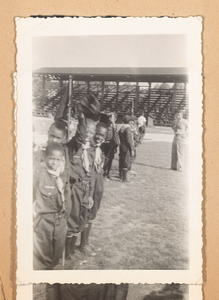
(141, 121)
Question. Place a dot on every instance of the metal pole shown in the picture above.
(69, 103)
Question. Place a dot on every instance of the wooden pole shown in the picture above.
(69, 103)
(117, 94)
(149, 98)
(102, 96)
(136, 97)
(173, 106)
(43, 89)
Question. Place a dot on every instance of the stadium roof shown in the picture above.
(118, 74)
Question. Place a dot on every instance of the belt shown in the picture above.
(56, 215)
(60, 215)
(73, 180)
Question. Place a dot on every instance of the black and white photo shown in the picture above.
(109, 150)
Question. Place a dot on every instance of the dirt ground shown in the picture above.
(143, 225)
(135, 292)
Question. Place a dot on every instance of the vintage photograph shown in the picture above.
(115, 139)
(113, 124)
(110, 291)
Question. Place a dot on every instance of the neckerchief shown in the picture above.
(97, 158)
(84, 157)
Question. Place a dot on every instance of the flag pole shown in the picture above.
(69, 103)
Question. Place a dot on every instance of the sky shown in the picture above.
(110, 51)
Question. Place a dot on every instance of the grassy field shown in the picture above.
(144, 224)
(135, 292)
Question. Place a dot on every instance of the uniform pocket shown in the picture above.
(48, 191)
(49, 198)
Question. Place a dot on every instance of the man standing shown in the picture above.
(180, 128)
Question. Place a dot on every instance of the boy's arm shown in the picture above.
(80, 134)
(129, 140)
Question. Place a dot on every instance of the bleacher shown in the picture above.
(122, 97)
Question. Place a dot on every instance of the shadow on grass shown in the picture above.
(156, 167)
(144, 165)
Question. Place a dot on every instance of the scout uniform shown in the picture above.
(109, 152)
(50, 221)
(81, 185)
(126, 147)
(136, 142)
(97, 161)
(98, 157)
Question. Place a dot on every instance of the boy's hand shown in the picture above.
(132, 153)
(90, 202)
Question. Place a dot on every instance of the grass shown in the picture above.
(144, 224)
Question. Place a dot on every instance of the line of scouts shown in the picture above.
(68, 186)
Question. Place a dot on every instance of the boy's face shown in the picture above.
(90, 131)
(100, 134)
(53, 160)
(56, 135)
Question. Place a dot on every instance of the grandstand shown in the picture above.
(158, 92)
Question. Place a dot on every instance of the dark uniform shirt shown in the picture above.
(38, 158)
(47, 196)
(75, 163)
(126, 138)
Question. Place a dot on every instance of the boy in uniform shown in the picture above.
(50, 219)
(97, 157)
(81, 180)
(56, 133)
(110, 144)
(126, 148)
